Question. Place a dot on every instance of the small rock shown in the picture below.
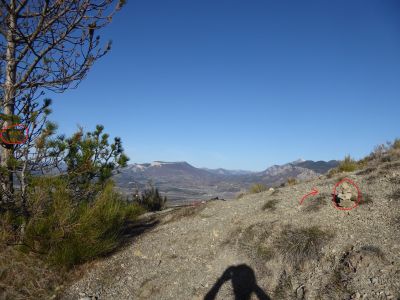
(374, 280)
(300, 292)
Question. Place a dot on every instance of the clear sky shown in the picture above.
(244, 84)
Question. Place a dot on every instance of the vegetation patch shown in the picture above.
(184, 212)
(25, 276)
(254, 241)
(373, 250)
(348, 164)
(257, 188)
(284, 288)
(396, 195)
(337, 287)
(240, 195)
(315, 204)
(366, 199)
(270, 205)
(298, 245)
(366, 171)
(291, 181)
(275, 192)
(68, 234)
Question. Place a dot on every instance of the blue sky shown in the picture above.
(244, 84)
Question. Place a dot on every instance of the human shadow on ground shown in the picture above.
(244, 283)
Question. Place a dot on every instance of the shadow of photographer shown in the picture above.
(244, 283)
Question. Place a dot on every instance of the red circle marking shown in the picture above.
(334, 194)
(22, 127)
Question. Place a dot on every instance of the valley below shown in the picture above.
(183, 183)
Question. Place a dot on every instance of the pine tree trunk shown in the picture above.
(8, 105)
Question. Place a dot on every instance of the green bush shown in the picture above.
(152, 200)
(257, 188)
(396, 144)
(348, 164)
(67, 233)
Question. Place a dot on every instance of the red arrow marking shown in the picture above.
(313, 192)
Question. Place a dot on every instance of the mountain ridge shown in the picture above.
(181, 181)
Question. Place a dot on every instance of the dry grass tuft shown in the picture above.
(366, 199)
(315, 204)
(24, 276)
(366, 171)
(298, 245)
(284, 288)
(373, 250)
(257, 188)
(265, 253)
(396, 195)
(184, 212)
(270, 205)
(337, 287)
(291, 181)
(275, 192)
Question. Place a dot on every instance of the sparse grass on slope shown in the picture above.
(257, 188)
(270, 205)
(25, 276)
(315, 204)
(298, 245)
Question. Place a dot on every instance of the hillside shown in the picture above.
(182, 182)
(312, 251)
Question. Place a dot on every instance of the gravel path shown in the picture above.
(186, 254)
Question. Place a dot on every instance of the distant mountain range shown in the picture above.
(182, 182)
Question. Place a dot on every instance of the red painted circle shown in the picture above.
(21, 127)
(334, 194)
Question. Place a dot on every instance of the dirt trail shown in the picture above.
(185, 255)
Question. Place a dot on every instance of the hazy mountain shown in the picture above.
(318, 166)
(182, 182)
(221, 171)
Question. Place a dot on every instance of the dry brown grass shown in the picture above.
(337, 287)
(366, 199)
(24, 276)
(395, 195)
(315, 204)
(366, 171)
(257, 188)
(184, 212)
(373, 250)
(284, 288)
(291, 181)
(270, 205)
(275, 192)
(299, 245)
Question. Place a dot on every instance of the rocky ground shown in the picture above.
(266, 245)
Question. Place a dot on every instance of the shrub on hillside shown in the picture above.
(151, 199)
(396, 144)
(348, 164)
(67, 233)
(291, 181)
(257, 188)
